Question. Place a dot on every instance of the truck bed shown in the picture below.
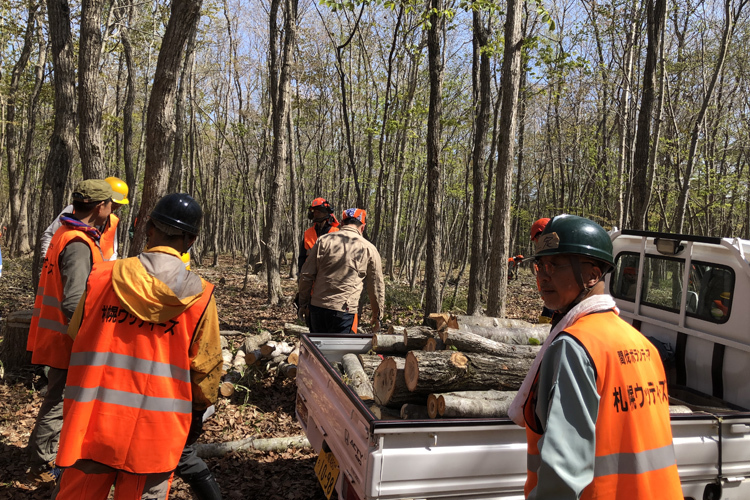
(476, 458)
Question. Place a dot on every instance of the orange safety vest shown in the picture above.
(48, 332)
(634, 451)
(128, 397)
(311, 235)
(107, 241)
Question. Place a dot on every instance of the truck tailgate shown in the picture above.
(387, 459)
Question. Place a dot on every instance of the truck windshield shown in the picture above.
(710, 287)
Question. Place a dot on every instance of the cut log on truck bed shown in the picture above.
(445, 371)
(470, 342)
(384, 413)
(370, 363)
(436, 402)
(414, 412)
(395, 330)
(388, 344)
(416, 337)
(389, 385)
(517, 336)
(357, 379)
(465, 322)
(434, 345)
(460, 407)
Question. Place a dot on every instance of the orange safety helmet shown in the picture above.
(519, 257)
(354, 213)
(319, 203)
(538, 227)
(119, 186)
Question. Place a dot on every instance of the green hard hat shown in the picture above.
(570, 234)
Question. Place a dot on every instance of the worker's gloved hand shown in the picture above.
(375, 325)
(302, 313)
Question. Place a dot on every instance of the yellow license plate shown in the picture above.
(327, 470)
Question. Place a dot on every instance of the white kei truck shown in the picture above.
(690, 295)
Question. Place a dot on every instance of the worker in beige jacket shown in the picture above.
(332, 278)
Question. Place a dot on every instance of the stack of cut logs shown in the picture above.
(260, 352)
(421, 372)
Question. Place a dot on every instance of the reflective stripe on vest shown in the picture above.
(48, 339)
(633, 433)
(132, 363)
(128, 398)
(107, 240)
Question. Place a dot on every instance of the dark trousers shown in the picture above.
(46, 434)
(329, 321)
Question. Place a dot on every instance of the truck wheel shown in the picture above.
(712, 492)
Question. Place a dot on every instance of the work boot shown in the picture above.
(45, 474)
(204, 485)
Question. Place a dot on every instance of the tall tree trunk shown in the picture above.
(89, 98)
(281, 107)
(478, 162)
(731, 14)
(127, 128)
(511, 78)
(62, 143)
(655, 14)
(624, 115)
(176, 173)
(433, 300)
(161, 108)
(293, 195)
(18, 225)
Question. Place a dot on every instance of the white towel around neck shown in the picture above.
(595, 303)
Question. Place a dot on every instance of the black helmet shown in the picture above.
(179, 210)
(570, 234)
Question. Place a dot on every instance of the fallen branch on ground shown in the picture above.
(212, 450)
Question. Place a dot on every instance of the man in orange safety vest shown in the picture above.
(108, 241)
(145, 364)
(74, 248)
(595, 403)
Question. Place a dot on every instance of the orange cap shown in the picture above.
(354, 213)
(538, 227)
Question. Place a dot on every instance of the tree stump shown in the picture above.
(15, 330)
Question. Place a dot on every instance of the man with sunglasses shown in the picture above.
(594, 404)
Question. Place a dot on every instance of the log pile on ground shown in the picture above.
(257, 352)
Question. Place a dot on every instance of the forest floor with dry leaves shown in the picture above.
(263, 406)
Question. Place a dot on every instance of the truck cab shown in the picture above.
(687, 294)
